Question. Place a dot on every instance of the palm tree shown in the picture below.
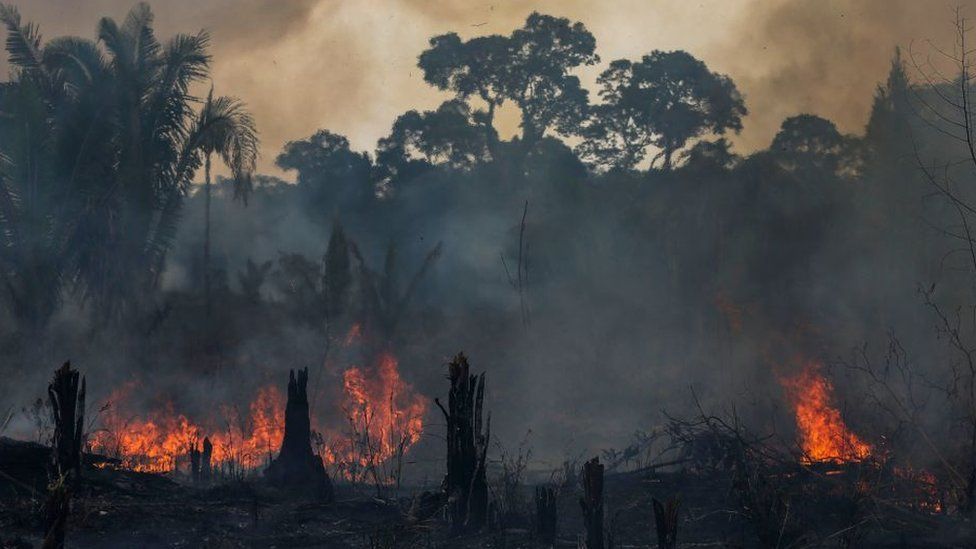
(99, 145)
(229, 132)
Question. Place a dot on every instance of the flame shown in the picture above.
(824, 436)
(383, 412)
(160, 441)
(385, 418)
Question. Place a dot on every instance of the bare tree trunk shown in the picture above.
(592, 503)
(466, 483)
(206, 234)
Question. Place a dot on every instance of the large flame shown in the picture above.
(823, 434)
(384, 418)
(161, 440)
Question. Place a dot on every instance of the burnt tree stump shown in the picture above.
(206, 473)
(67, 398)
(200, 462)
(545, 513)
(466, 484)
(666, 520)
(297, 467)
(592, 503)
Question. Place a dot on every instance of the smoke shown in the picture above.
(610, 344)
(351, 66)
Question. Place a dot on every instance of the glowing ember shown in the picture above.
(824, 437)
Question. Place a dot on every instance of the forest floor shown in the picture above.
(117, 508)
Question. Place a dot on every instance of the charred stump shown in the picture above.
(205, 457)
(200, 462)
(297, 467)
(592, 503)
(545, 513)
(195, 464)
(67, 398)
(466, 484)
(666, 520)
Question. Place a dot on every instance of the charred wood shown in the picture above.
(67, 398)
(468, 434)
(592, 503)
(545, 512)
(297, 467)
(666, 520)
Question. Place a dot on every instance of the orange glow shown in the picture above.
(384, 419)
(824, 437)
(158, 442)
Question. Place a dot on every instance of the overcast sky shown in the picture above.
(350, 65)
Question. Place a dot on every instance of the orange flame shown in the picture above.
(158, 442)
(385, 418)
(384, 413)
(824, 436)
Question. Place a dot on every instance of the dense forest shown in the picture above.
(614, 257)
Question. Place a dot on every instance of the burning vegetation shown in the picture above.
(110, 253)
(823, 434)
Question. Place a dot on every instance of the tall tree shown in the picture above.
(531, 67)
(664, 100)
(227, 129)
(331, 176)
(104, 143)
(447, 137)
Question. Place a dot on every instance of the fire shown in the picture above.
(384, 419)
(383, 411)
(159, 441)
(824, 436)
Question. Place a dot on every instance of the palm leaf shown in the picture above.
(23, 41)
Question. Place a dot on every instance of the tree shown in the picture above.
(664, 100)
(809, 143)
(101, 143)
(445, 137)
(337, 272)
(330, 174)
(227, 129)
(473, 68)
(531, 68)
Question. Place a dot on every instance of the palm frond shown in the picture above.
(23, 40)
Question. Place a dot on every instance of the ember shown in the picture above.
(823, 434)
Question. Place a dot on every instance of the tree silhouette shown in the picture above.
(445, 137)
(531, 68)
(227, 129)
(664, 100)
(330, 174)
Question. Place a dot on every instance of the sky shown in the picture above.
(350, 65)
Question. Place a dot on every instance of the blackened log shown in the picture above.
(545, 513)
(666, 520)
(468, 434)
(592, 503)
(297, 467)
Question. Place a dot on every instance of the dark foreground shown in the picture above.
(126, 509)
